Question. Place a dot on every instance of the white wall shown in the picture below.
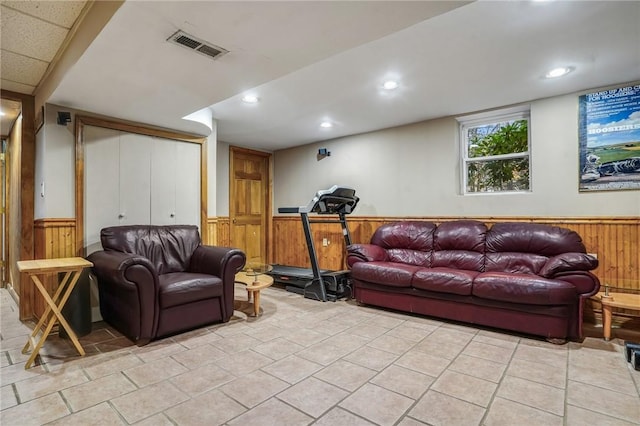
(55, 167)
(414, 170)
(39, 201)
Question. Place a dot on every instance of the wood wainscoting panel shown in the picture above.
(53, 239)
(218, 231)
(616, 242)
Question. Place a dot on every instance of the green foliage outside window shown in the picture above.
(506, 139)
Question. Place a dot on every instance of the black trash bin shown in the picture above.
(77, 310)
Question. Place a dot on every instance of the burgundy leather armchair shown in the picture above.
(156, 281)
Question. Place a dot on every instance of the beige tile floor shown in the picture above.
(305, 362)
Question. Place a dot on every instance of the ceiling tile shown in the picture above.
(63, 13)
(16, 87)
(30, 36)
(21, 69)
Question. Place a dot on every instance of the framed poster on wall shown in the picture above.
(609, 138)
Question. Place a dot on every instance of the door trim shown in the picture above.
(268, 220)
(27, 199)
(128, 127)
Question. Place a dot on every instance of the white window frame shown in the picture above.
(502, 115)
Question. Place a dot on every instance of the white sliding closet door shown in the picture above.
(175, 183)
(117, 181)
(163, 178)
(135, 179)
(101, 182)
(188, 204)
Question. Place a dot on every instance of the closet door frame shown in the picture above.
(81, 121)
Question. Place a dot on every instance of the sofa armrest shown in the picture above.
(128, 288)
(567, 262)
(365, 253)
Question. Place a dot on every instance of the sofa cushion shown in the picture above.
(178, 288)
(386, 273)
(459, 244)
(523, 288)
(406, 242)
(409, 257)
(540, 239)
(444, 280)
(523, 263)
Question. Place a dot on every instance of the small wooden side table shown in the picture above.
(254, 282)
(615, 300)
(71, 267)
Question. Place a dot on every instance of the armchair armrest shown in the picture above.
(222, 262)
(218, 261)
(114, 265)
(128, 289)
(365, 253)
(567, 262)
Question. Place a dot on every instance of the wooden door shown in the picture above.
(250, 202)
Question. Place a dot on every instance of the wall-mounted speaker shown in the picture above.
(64, 117)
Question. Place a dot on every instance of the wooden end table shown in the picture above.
(255, 279)
(615, 300)
(71, 267)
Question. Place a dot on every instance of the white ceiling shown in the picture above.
(309, 61)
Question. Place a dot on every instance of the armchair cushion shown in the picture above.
(178, 288)
(168, 248)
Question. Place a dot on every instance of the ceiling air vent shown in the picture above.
(193, 43)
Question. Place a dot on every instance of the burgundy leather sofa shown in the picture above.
(525, 277)
(155, 281)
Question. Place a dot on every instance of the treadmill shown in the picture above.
(316, 283)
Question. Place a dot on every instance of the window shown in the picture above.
(495, 152)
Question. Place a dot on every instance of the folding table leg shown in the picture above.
(51, 313)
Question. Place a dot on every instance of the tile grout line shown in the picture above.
(502, 376)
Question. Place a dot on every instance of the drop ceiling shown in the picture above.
(310, 61)
(32, 34)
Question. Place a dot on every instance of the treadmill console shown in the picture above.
(337, 199)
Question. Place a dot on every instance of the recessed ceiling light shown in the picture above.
(390, 85)
(326, 124)
(250, 99)
(558, 72)
(1, 113)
